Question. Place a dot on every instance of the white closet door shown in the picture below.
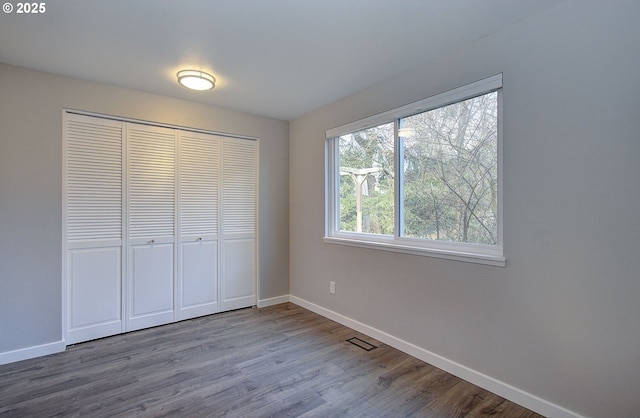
(159, 225)
(239, 204)
(198, 182)
(151, 226)
(93, 227)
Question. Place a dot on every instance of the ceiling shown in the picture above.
(276, 58)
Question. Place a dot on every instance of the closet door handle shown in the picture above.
(152, 241)
(199, 239)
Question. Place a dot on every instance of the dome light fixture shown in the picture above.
(196, 80)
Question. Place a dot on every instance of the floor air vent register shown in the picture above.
(362, 344)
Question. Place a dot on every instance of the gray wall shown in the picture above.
(31, 106)
(562, 320)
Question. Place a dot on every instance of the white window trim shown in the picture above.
(492, 255)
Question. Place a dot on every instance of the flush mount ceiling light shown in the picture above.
(196, 80)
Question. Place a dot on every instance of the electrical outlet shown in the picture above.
(332, 288)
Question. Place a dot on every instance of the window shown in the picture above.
(424, 178)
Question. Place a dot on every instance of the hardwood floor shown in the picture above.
(280, 361)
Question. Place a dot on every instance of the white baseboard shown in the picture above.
(263, 303)
(31, 352)
(505, 390)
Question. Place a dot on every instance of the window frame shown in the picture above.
(468, 252)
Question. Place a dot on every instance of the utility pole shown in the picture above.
(359, 175)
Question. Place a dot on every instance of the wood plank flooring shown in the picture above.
(280, 361)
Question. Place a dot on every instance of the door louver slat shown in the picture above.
(94, 185)
(151, 182)
(239, 187)
(199, 166)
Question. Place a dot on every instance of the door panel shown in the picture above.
(199, 279)
(94, 293)
(92, 196)
(151, 285)
(151, 200)
(198, 179)
(239, 219)
(238, 285)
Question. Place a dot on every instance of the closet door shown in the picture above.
(151, 226)
(198, 183)
(239, 199)
(92, 227)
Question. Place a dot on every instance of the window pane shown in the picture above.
(366, 181)
(450, 172)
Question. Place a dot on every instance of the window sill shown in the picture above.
(486, 259)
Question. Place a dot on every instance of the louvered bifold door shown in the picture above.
(92, 227)
(198, 185)
(239, 211)
(151, 226)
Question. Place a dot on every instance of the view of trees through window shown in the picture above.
(449, 175)
(366, 180)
